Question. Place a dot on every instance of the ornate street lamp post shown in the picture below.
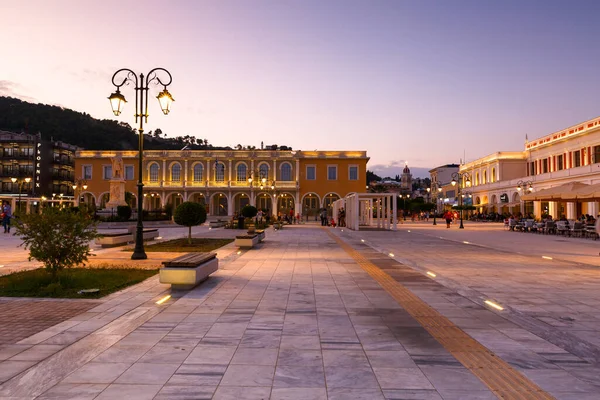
(78, 185)
(14, 180)
(434, 187)
(463, 179)
(117, 101)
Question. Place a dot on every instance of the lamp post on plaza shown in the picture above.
(404, 197)
(78, 185)
(434, 187)
(463, 179)
(262, 178)
(14, 180)
(117, 101)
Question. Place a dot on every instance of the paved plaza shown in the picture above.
(322, 313)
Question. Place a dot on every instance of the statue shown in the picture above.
(117, 167)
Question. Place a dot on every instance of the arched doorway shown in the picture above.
(494, 204)
(174, 199)
(240, 200)
(104, 197)
(285, 203)
(264, 202)
(219, 205)
(153, 202)
(198, 198)
(328, 201)
(131, 200)
(310, 205)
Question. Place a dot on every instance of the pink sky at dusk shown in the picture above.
(416, 81)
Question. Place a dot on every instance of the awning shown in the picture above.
(588, 193)
(554, 193)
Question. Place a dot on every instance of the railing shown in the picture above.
(214, 184)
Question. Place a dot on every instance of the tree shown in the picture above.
(190, 214)
(249, 211)
(57, 238)
(371, 176)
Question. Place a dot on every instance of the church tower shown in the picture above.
(406, 179)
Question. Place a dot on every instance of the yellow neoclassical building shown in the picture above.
(227, 180)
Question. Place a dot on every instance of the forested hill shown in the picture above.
(80, 129)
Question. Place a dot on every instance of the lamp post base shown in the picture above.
(435, 223)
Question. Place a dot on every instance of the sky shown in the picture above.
(421, 82)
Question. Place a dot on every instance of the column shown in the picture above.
(394, 213)
(274, 170)
(537, 209)
(592, 208)
(297, 170)
(229, 203)
(164, 172)
(230, 161)
(185, 175)
(553, 209)
(207, 170)
(571, 210)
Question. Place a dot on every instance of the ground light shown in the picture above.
(391, 254)
(362, 240)
(465, 242)
(547, 258)
(167, 297)
(494, 305)
(431, 274)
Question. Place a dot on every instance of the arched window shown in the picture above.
(484, 178)
(286, 172)
(220, 172)
(175, 173)
(263, 170)
(154, 173)
(493, 177)
(198, 172)
(241, 173)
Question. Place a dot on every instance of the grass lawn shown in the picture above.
(38, 282)
(198, 244)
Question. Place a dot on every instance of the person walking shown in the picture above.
(448, 218)
(6, 216)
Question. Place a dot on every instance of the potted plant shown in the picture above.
(249, 212)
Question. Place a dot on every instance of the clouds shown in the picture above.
(13, 89)
(395, 167)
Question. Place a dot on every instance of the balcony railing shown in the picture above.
(214, 184)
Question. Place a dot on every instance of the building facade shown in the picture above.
(48, 166)
(441, 185)
(569, 155)
(276, 181)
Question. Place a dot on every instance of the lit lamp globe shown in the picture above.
(117, 102)
(165, 99)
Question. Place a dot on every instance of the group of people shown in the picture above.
(6, 216)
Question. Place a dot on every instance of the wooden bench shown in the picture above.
(217, 224)
(189, 270)
(119, 239)
(246, 241)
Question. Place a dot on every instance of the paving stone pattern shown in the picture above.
(295, 318)
(22, 318)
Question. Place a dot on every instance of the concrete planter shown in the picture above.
(184, 278)
(247, 241)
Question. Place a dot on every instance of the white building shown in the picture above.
(570, 155)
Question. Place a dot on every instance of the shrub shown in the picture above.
(249, 211)
(57, 238)
(124, 213)
(190, 214)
